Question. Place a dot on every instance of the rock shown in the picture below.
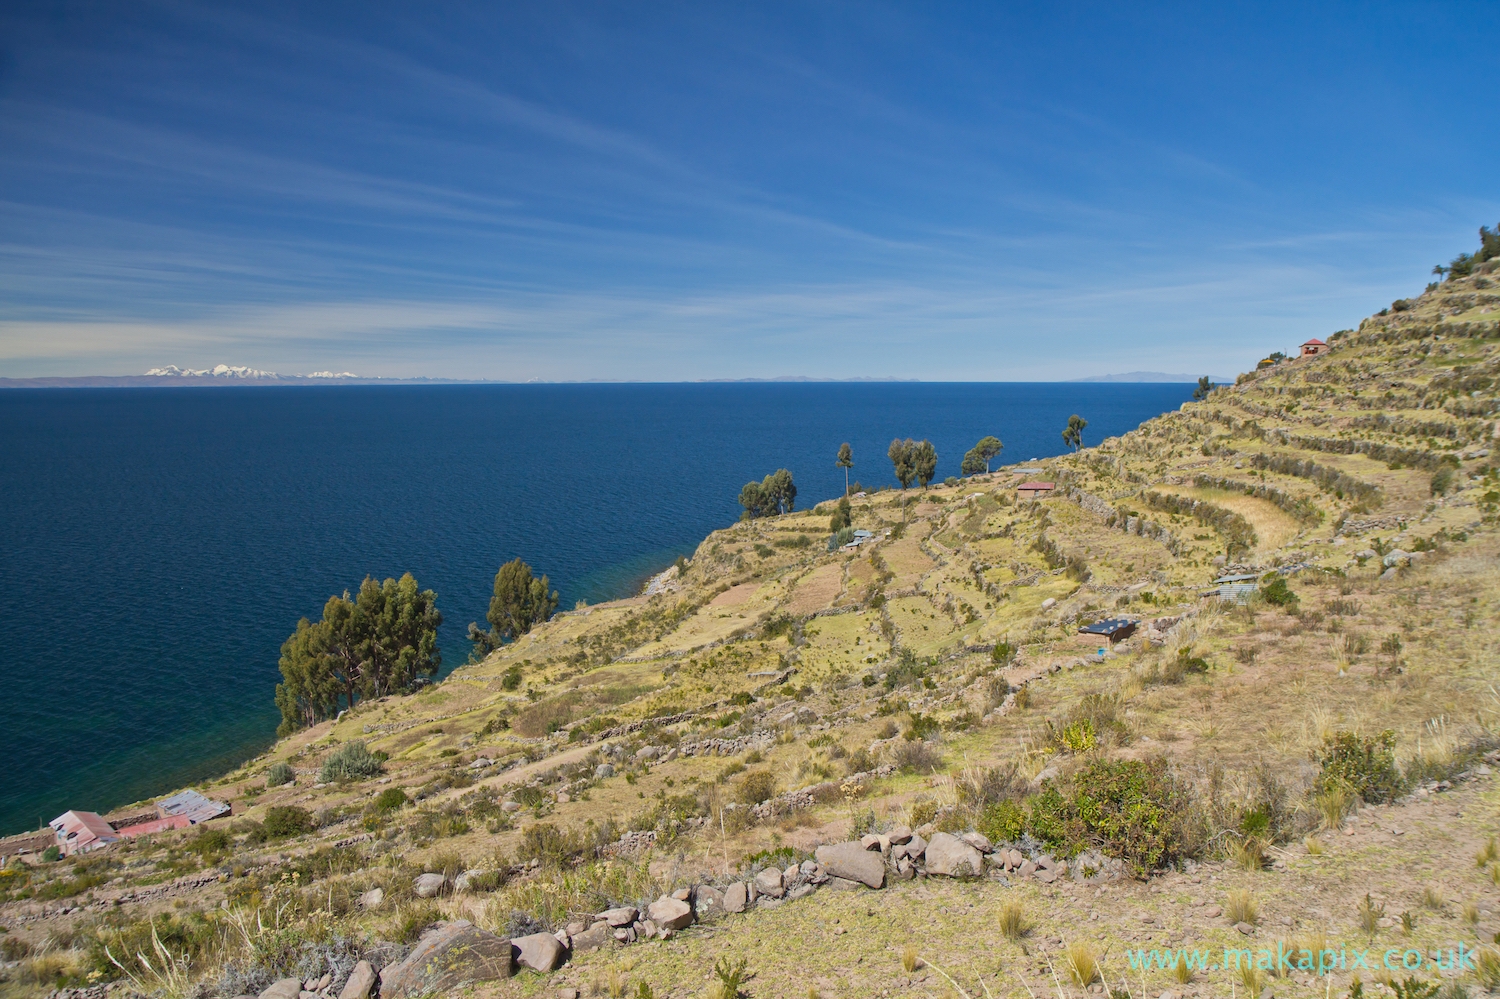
(791, 875)
(671, 913)
(623, 916)
(575, 928)
(852, 862)
(925, 830)
(604, 770)
(646, 929)
(900, 834)
(1047, 875)
(591, 939)
(323, 982)
(810, 867)
(1049, 603)
(768, 882)
(1389, 573)
(948, 855)
(308, 994)
(1213, 912)
(538, 951)
(285, 988)
(466, 878)
(1046, 863)
(683, 894)
(708, 901)
(361, 981)
(647, 753)
(372, 898)
(915, 847)
(735, 897)
(428, 885)
(448, 956)
(1048, 773)
(1027, 869)
(801, 891)
(870, 841)
(670, 756)
(568, 993)
(1014, 857)
(1244, 928)
(563, 797)
(978, 841)
(1395, 558)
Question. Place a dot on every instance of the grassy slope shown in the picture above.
(965, 573)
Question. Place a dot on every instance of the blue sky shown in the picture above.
(680, 191)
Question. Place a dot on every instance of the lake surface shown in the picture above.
(157, 545)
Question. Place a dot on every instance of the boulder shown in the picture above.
(1027, 869)
(623, 916)
(591, 939)
(428, 885)
(736, 898)
(900, 834)
(915, 847)
(791, 875)
(538, 951)
(670, 913)
(951, 856)
(768, 882)
(683, 894)
(870, 841)
(372, 898)
(361, 981)
(465, 879)
(604, 770)
(852, 862)
(978, 841)
(446, 957)
(708, 901)
(285, 988)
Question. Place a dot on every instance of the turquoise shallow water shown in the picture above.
(157, 545)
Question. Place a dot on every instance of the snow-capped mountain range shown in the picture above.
(237, 371)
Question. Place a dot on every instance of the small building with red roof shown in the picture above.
(80, 832)
(1034, 490)
(1314, 347)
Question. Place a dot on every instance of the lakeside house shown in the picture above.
(80, 832)
(1034, 490)
(1313, 348)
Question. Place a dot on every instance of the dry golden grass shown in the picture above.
(1240, 907)
(1081, 960)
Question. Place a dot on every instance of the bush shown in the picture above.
(916, 757)
(1002, 821)
(51, 855)
(286, 820)
(210, 843)
(351, 761)
(757, 786)
(511, 679)
(1133, 809)
(1365, 766)
(1002, 653)
(278, 774)
(1277, 593)
(389, 800)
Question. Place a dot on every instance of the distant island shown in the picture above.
(1152, 376)
(219, 375)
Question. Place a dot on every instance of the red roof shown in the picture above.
(1315, 342)
(1035, 485)
(154, 826)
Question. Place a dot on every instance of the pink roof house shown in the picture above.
(80, 832)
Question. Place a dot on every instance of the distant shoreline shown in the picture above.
(292, 381)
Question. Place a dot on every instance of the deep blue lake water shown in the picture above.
(157, 545)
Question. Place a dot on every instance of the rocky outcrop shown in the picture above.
(852, 862)
(448, 956)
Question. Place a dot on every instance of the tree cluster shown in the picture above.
(520, 602)
(381, 642)
(1205, 386)
(977, 459)
(913, 461)
(774, 494)
(1463, 265)
(843, 516)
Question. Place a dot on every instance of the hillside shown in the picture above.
(772, 697)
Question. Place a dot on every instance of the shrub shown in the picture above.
(1276, 593)
(1133, 809)
(757, 786)
(916, 757)
(389, 800)
(1442, 481)
(278, 774)
(921, 727)
(511, 679)
(351, 761)
(286, 820)
(1002, 653)
(210, 842)
(1367, 767)
(1240, 907)
(1002, 821)
(51, 855)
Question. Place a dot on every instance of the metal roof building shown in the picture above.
(1114, 628)
(191, 805)
(80, 832)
